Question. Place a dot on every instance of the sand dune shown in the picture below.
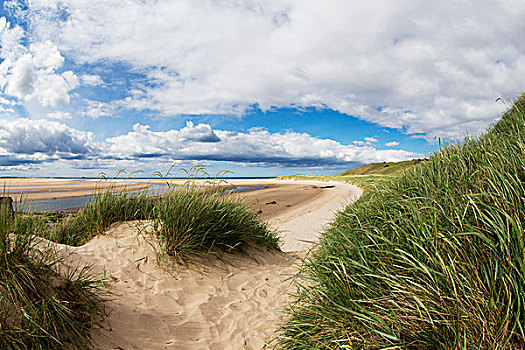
(211, 304)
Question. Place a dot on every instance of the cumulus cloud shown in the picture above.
(392, 144)
(30, 73)
(422, 67)
(91, 79)
(59, 115)
(97, 109)
(257, 146)
(368, 141)
(26, 141)
(199, 133)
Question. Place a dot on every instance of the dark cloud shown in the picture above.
(7, 161)
(26, 136)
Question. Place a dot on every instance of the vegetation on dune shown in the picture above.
(41, 307)
(99, 213)
(364, 176)
(195, 218)
(384, 168)
(434, 259)
(108, 205)
(190, 221)
(363, 181)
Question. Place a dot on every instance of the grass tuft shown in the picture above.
(194, 221)
(41, 307)
(44, 307)
(99, 213)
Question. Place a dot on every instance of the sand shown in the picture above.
(32, 189)
(210, 304)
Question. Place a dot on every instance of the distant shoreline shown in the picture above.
(47, 194)
(138, 178)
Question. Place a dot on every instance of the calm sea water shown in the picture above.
(79, 202)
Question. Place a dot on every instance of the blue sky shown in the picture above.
(256, 87)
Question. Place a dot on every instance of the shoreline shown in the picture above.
(48, 189)
(44, 189)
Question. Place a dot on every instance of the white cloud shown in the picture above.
(45, 55)
(368, 141)
(91, 79)
(392, 144)
(424, 67)
(6, 110)
(97, 109)
(199, 133)
(59, 115)
(5, 101)
(25, 142)
(11, 38)
(257, 146)
(31, 73)
(21, 79)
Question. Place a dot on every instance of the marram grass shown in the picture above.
(434, 259)
(41, 305)
(192, 219)
(99, 213)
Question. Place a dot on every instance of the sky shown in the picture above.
(256, 87)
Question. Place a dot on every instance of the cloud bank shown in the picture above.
(30, 142)
(258, 146)
(424, 67)
(26, 141)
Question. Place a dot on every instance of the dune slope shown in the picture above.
(211, 304)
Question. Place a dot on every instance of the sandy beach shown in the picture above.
(231, 302)
(33, 189)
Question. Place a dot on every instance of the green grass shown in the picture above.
(433, 259)
(41, 305)
(365, 176)
(363, 181)
(99, 213)
(384, 168)
(191, 221)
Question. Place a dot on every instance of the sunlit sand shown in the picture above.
(234, 302)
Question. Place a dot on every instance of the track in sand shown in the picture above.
(211, 304)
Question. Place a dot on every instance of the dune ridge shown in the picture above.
(232, 302)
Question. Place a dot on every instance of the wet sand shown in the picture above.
(277, 197)
(32, 189)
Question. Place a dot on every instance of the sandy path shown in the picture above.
(211, 305)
